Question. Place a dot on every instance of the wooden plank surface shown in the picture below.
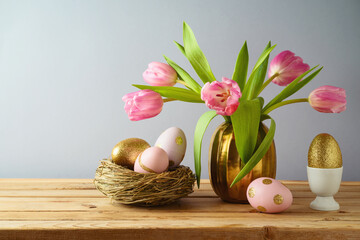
(74, 209)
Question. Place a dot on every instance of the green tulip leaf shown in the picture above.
(184, 75)
(200, 129)
(241, 67)
(258, 155)
(180, 47)
(195, 56)
(258, 74)
(293, 87)
(245, 121)
(302, 83)
(264, 117)
(261, 99)
(264, 55)
(174, 92)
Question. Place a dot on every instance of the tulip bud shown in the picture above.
(160, 74)
(222, 96)
(142, 104)
(288, 67)
(328, 99)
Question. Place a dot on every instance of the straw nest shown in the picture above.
(128, 187)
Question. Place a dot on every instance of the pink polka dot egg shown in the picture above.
(269, 195)
(152, 160)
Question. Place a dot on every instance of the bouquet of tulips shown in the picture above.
(236, 99)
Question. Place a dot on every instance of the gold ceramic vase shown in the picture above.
(225, 164)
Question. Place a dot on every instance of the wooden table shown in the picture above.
(74, 209)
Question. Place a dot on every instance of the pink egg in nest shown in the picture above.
(269, 195)
(152, 160)
(173, 141)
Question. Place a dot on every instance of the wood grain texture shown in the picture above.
(74, 209)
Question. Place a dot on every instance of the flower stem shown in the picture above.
(168, 99)
(280, 104)
(227, 119)
(267, 82)
(182, 82)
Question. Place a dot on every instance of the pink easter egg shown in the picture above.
(173, 141)
(269, 195)
(152, 160)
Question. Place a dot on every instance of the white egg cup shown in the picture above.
(325, 183)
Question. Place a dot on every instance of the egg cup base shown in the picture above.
(325, 183)
(325, 204)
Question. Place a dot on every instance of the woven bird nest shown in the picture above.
(128, 187)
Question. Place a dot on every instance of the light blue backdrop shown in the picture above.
(64, 66)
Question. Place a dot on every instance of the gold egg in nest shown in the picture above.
(126, 151)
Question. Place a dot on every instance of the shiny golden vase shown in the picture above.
(225, 164)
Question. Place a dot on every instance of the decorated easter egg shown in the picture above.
(125, 152)
(152, 160)
(269, 195)
(324, 152)
(173, 141)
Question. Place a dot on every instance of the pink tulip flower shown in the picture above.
(328, 99)
(160, 74)
(288, 66)
(142, 104)
(222, 96)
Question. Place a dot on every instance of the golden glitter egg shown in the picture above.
(125, 152)
(324, 152)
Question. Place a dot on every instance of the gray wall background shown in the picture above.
(64, 66)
